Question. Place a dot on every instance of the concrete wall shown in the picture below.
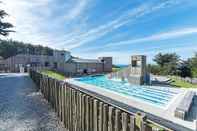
(14, 63)
(57, 62)
(107, 63)
(99, 68)
(36, 61)
(68, 68)
(90, 67)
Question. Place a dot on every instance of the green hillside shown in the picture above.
(10, 48)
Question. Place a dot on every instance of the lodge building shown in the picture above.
(61, 61)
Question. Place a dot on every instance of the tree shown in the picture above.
(166, 59)
(184, 69)
(193, 63)
(166, 64)
(171, 64)
(10, 48)
(4, 26)
(154, 69)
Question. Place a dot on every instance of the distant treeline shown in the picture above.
(10, 48)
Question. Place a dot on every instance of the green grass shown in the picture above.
(53, 74)
(182, 84)
(115, 69)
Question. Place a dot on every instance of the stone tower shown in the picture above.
(138, 65)
(135, 73)
(138, 74)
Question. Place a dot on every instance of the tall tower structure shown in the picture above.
(138, 73)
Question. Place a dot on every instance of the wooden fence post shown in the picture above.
(70, 110)
(87, 116)
(111, 120)
(124, 121)
(78, 111)
(100, 119)
(91, 114)
(49, 92)
(55, 92)
(105, 117)
(132, 123)
(75, 110)
(45, 87)
(95, 115)
(63, 102)
(117, 120)
(58, 99)
(83, 113)
(65, 106)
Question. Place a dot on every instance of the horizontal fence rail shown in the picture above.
(81, 111)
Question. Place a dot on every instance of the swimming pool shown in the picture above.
(159, 96)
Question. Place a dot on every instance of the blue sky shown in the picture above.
(118, 28)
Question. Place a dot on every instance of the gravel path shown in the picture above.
(22, 108)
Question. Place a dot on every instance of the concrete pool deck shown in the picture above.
(166, 113)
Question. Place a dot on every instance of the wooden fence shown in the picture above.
(80, 111)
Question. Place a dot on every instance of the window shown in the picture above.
(46, 64)
(55, 64)
(136, 63)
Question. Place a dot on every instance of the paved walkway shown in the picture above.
(22, 108)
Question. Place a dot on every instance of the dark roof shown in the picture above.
(80, 60)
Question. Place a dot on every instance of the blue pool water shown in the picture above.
(159, 96)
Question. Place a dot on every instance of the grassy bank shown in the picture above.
(53, 74)
(115, 69)
(182, 84)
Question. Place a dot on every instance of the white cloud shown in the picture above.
(35, 23)
(155, 37)
(160, 36)
(76, 10)
(42, 28)
(129, 16)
